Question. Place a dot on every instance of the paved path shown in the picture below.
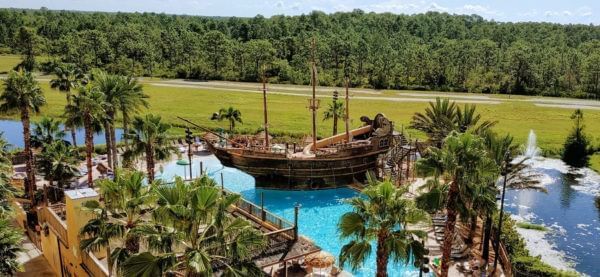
(34, 263)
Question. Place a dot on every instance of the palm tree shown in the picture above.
(124, 95)
(7, 190)
(382, 215)
(67, 78)
(149, 139)
(46, 131)
(99, 232)
(22, 93)
(443, 117)
(86, 108)
(231, 114)
(10, 246)
(334, 111)
(194, 215)
(437, 121)
(109, 85)
(130, 102)
(507, 156)
(125, 199)
(462, 162)
(59, 163)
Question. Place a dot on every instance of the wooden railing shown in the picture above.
(505, 260)
(92, 265)
(262, 214)
(48, 216)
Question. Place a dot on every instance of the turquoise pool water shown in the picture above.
(319, 213)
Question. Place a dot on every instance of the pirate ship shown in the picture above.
(329, 162)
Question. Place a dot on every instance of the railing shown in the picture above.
(92, 265)
(275, 221)
(48, 216)
(505, 260)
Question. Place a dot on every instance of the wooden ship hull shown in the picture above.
(335, 163)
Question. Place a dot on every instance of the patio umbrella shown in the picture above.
(320, 259)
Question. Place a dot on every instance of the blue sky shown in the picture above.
(571, 11)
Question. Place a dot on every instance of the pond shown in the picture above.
(13, 133)
(570, 210)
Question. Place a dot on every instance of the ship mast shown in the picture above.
(347, 115)
(313, 103)
(264, 89)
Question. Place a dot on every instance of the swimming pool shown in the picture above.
(319, 213)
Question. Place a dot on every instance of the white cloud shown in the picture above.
(279, 4)
(437, 8)
(477, 9)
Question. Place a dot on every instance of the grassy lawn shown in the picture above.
(8, 62)
(288, 113)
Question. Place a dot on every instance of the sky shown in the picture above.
(559, 11)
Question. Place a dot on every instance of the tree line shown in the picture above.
(436, 51)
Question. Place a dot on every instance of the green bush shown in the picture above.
(531, 226)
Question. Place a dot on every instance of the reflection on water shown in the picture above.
(567, 193)
(13, 133)
(571, 208)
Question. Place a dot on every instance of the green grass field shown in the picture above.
(8, 62)
(288, 113)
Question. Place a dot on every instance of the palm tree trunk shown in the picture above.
(89, 148)
(474, 219)
(72, 126)
(113, 144)
(31, 186)
(125, 127)
(109, 261)
(382, 256)
(108, 141)
(132, 244)
(486, 238)
(150, 163)
(450, 224)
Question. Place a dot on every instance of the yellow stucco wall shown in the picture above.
(50, 250)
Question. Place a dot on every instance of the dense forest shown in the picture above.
(432, 51)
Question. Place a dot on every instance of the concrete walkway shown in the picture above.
(34, 263)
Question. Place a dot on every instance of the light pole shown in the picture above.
(189, 139)
(505, 175)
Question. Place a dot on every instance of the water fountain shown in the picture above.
(532, 150)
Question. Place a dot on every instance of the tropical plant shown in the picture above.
(47, 131)
(576, 150)
(443, 117)
(130, 102)
(230, 114)
(7, 190)
(149, 139)
(125, 199)
(437, 121)
(67, 78)
(10, 246)
(22, 93)
(383, 216)
(59, 163)
(462, 163)
(335, 111)
(192, 234)
(87, 109)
